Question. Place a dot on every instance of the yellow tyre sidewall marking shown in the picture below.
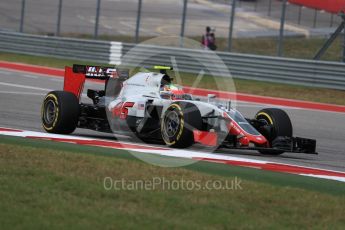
(57, 111)
(181, 124)
(265, 115)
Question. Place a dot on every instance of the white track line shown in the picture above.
(22, 93)
(24, 86)
(181, 153)
(31, 87)
(56, 79)
(28, 76)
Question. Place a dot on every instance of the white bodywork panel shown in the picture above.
(142, 87)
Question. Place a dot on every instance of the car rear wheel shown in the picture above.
(178, 123)
(278, 124)
(60, 112)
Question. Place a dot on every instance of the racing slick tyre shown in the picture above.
(60, 112)
(178, 123)
(278, 124)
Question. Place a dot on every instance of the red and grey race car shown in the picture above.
(150, 107)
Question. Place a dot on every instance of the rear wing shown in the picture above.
(100, 72)
(76, 75)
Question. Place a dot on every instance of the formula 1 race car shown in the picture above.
(150, 107)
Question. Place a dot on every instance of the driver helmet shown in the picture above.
(171, 91)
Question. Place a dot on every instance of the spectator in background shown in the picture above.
(208, 40)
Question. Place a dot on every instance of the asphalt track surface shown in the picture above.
(21, 95)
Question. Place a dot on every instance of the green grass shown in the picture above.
(209, 82)
(294, 47)
(52, 185)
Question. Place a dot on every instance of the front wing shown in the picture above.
(286, 144)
